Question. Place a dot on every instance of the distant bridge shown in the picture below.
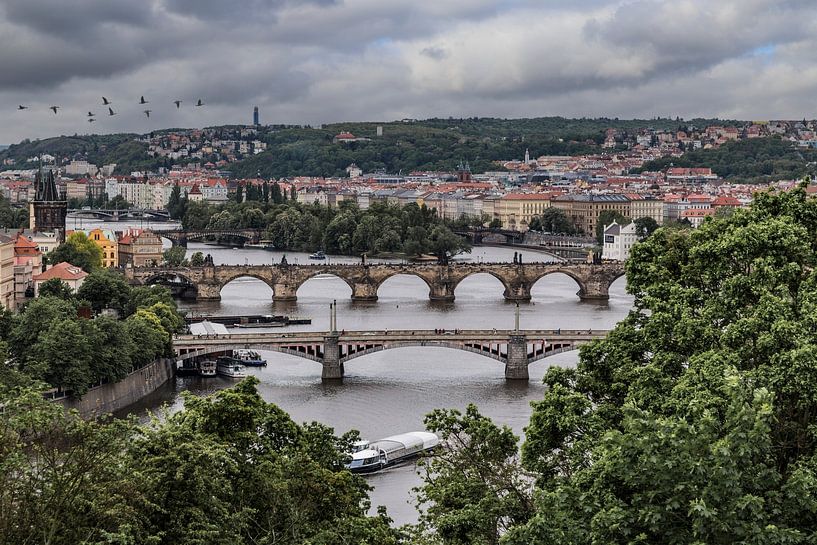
(593, 280)
(332, 349)
(180, 237)
(119, 215)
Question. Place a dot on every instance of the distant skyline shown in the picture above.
(324, 61)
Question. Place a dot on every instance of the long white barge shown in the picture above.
(369, 457)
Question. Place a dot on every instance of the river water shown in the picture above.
(389, 392)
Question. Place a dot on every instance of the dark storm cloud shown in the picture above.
(313, 61)
(248, 10)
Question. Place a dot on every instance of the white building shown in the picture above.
(80, 168)
(618, 240)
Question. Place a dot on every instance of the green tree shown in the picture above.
(174, 203)
(64, 356)
(105, 289)
(175, 256)
(148, 334)
(445, 244)
(554, 220)
(197, 259)
(78, 250)
(54, 287)
(645, 226)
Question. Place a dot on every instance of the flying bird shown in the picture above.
(147, 112)
(142, 100)
(199, 103)
(105, 101)
(54, 109)
(91, 114)
(91, 120)
(110, 111)
(21, 107)
(178, 103)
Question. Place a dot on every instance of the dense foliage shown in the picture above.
(77, 250)
(381, 229)
(11, 217)
(752, 160)
(692, 422)
(553, 220)
(229, 469)
(50, 342)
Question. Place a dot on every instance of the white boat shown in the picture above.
(318, 255)
(207, 368)
(230, 367)
(368, 457)
(250, 358)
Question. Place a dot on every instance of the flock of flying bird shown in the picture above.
(105, 102)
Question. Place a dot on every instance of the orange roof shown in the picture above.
(698, 212)
(22, 243)
(529, 196)
(725, 200)
(63, 271)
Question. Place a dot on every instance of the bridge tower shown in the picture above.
(332, 366)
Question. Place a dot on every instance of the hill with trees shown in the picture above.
(432, 144)
(750, 160)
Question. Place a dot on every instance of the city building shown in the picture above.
(515, 210)
(70, 274)
(7, 272)
(255, 119)
(584, 210)
(28, 261)
(107, 242)
(618, 240)
(140, 248)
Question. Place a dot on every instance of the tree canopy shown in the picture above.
(78, 250)
(691, 422)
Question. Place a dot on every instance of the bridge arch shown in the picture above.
(397, 273)
(319, 273)
(483, 272)
(227, 279)
(159, 277)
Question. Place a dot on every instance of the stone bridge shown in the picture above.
(515, 348)
(180, 237)
(593, 280)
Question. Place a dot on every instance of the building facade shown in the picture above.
(140, 248)
(584, 210)
(618, 240)
(107, 242)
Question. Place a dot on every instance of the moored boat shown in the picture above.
(250, 358)
(318, 255)
(207, 368)
(230, 367)
(369, 457)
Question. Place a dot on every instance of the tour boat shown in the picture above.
(207, 368)
(250, 358)
(318, 255)
(230, 367)
(368, 457)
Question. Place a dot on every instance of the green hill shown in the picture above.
(752, 160)
(432, 144)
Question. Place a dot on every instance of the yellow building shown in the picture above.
(107, 242)
(516, 210)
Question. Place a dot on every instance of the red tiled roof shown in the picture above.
(63, 271)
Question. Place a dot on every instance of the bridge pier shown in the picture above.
(332, 366)
(282, 291)
(364, 291)
(594, 290)
(516, 367)
(518, 292)
(441, 291)
(208, 292)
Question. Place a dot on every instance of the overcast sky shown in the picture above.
(320, 61)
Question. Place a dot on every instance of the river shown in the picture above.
(389, 392)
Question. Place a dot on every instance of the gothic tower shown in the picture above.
(47, 212)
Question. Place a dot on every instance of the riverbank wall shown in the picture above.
(108, 398)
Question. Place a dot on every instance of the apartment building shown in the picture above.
(584, 209)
